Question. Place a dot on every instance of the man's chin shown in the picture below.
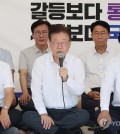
(42, 43)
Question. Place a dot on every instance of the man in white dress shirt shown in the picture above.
(8, 117)
(6, 56)
(111, 81)
(56, 108)
(95, 60)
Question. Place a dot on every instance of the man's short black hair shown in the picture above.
(57, 28)
(39, 22)
(100, 23)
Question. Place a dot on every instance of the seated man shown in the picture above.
(6, 56)
(55, 89)
(112, 113)
(95, 60)
(40, 30)
(8, 117)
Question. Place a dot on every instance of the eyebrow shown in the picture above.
(99, 31)
(40, 30)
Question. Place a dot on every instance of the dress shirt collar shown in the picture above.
(95, 52)
(36, 50)
(65, 60)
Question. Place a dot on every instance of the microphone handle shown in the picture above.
(61, 65)
(104, 121)
(106, 125)
(61, 62)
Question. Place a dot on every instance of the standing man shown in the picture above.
(40, 30)
(95, 60)
(55, 89)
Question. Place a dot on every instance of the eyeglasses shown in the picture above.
(96, 34)
(39, 33)
(63, 43)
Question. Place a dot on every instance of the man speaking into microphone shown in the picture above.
(57, 81)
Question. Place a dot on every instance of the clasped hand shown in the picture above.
(63, 72)
(94, 94)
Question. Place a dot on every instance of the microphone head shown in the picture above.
(60, 55)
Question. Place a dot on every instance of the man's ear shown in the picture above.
(32, 36)
(70, 43)
(91, 35)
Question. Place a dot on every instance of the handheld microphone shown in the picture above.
(60, 56)
(105, 122)
(106, 125)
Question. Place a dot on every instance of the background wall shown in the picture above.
(16, 18)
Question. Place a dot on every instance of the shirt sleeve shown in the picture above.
(75, 81)
(22, 61)
(36, 87)
(107, 86)
(87, 89)
(8, 59)
(8, 81)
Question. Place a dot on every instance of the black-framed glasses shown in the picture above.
(62, 43)
(39, 33)
(103, 33)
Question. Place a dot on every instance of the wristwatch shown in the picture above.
(5, 107)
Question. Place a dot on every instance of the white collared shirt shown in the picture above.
(6, 56)
(5, 80)
(110, 81)
(95, 65)
(46, 83)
